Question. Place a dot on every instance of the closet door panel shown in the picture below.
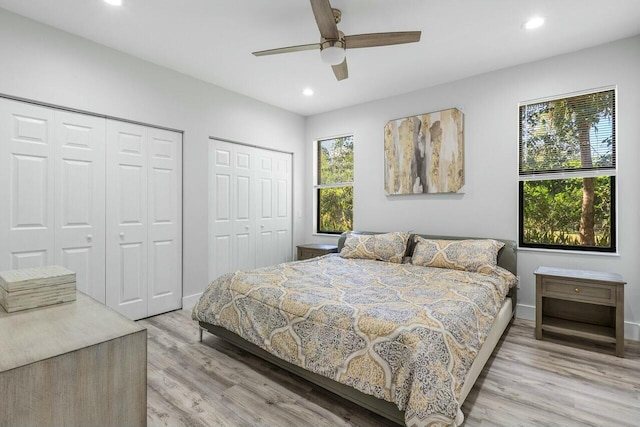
(220, 184)
(282, 207)
(80, 199)
(265, 254)
(243, 208)
(274, 216)
(26, 185)
(165, 198)
(127, 236)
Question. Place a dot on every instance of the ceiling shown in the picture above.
(212, 40)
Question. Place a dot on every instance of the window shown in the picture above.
(567, 173)
(334, 185)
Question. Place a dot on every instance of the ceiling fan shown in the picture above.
(333, 43)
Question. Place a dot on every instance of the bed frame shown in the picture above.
(507, 258)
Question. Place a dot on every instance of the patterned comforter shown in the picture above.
(403, 333)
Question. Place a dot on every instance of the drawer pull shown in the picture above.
(577, 290)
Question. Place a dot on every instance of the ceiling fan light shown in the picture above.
(332, 55)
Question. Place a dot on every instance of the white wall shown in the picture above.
(44, 64)
(488, 206)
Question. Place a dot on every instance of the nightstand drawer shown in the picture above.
(308, 253)
(579, 291)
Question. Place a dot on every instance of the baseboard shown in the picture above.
(632, 331)
(190, 300)
(528, 312)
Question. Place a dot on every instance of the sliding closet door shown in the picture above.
(127, 237)
(165, 221)
(80, 199)
(26, 185)
(249, 207)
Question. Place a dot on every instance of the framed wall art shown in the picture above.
(425, 153)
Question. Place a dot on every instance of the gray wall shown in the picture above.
(488, 206)
(48, 65)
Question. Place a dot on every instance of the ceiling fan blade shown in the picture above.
(381, 39)
(341, 70)
(298, 48)
(325, 19)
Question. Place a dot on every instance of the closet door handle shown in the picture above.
(121, 235)
(246, 227)
(89, 237)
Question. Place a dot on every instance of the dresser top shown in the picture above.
(580, 274)
(32, 335)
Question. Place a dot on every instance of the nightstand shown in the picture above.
(579, 303)
(312, 250)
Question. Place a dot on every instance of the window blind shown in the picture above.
(572, 137)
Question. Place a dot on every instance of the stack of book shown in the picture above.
(36, 287)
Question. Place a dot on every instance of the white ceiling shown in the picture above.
(212, 40)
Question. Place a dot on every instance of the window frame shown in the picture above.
(317, 187)
(567, 174)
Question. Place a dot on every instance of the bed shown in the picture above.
(402, 340)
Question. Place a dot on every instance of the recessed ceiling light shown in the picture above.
(533, 23)
(114, 2)
(307, 92)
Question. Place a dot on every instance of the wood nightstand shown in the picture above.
(586, 304)
(312, 250)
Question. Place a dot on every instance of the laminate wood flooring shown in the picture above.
(553, 382)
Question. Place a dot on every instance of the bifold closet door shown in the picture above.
(127, 234)
(273, 207)
(80, 199)
(144, 205)
(52, 188)
(249, 207)
(231, 207)
(27, 189)
(164, 290)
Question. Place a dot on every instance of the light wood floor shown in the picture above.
(525, 383)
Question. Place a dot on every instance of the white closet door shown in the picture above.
(250, 208)
(265, 233)
(283, 207)
(220, 190)
(26, 185)
(273, 207)
(80, 199)
(165, 246)
(243, 208)
(127, 237)
(231, 207)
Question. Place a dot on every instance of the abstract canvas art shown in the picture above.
(425, 153)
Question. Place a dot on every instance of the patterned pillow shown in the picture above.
(469, 255)
(384, 247)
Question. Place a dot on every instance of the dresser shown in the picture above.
(74, 364)
(312, 250)
(580, 303)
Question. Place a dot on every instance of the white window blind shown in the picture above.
(568, 137)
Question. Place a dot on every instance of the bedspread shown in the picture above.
(403, 333)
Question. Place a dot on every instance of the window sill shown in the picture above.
(569, 252)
